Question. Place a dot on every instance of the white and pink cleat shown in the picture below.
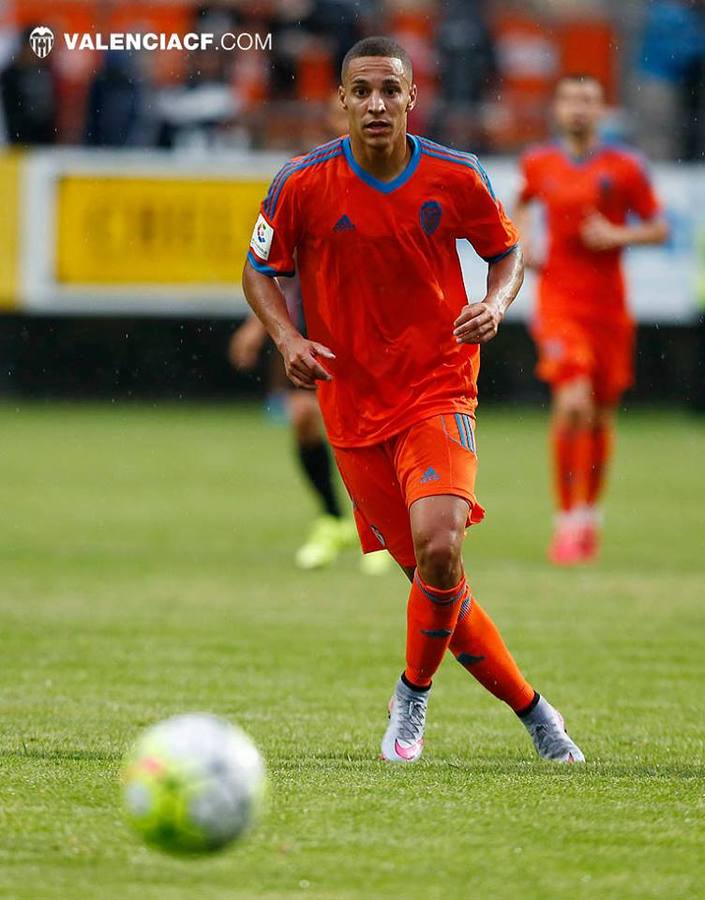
(576, 537)
(403, 739)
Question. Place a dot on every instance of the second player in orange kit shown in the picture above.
(583, 331)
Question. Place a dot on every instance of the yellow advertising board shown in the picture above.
(9, 230)
(144, 230)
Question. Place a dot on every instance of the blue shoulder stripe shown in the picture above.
(287, 167)
(438, 151)
(299, 159)
(302, 165)
(434, 145)
(319, 154)
(627, 151)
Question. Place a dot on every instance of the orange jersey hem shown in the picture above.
(420, 413)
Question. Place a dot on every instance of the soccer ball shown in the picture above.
(193, 783)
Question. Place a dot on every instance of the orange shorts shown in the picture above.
(435, 456)
(568, 349)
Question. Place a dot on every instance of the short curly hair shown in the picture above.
(378, 46)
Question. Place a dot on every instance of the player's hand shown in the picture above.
(599, 234)
(301, 360)
(477, 323)
(246, 343)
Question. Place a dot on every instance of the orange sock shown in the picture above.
(582, 465)
(573, 461)
(562, 447)
(431, 615)
(478, 646)
(602, 440)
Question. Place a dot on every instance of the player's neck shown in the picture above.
(579, 145)
(383, 163)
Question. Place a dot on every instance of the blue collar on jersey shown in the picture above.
(386, 187)
(593, 152)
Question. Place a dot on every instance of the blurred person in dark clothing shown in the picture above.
(693, 92)
(28, 92)
(466, 51)
(114, 116)
(669, 70)
(468, 68)
(198, 113)
(339, 23)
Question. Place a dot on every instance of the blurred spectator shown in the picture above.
(201, 113)
(115, 109)
(693, 94)
(466, 52)
(28, 91)
(672, 50)
(311, 37)
(339, 22)
(468, 70)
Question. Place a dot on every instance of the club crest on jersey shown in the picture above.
(606, 184)
(430, 216)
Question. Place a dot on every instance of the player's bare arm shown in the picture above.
(479, 322)
(599, 234)
(246, 343)
(299, 354)
(522, 221)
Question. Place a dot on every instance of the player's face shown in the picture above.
(578, 107)
(377, 97)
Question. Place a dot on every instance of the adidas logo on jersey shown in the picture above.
(343, 224)
(430, 475)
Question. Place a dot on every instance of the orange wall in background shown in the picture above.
(532, 54)
(93, 16)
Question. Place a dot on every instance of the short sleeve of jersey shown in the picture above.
(275, 234)
(641, 196)
(483, 219)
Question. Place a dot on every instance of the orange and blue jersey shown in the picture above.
(381, 282)
(577, 282)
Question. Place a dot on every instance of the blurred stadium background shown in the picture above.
(130, 180)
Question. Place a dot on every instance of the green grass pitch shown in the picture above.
(146, 570)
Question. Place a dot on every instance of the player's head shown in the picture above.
(377, 90)
(578, 105)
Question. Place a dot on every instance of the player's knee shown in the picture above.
(575, 410)
(576, 416)
(438, 556)
(305, 422)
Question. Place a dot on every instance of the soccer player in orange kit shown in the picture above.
(583, 331)
(392, 350)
